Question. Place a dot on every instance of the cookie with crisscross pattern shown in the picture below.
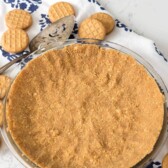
(106, 20)
(60, 10)
(14, 40)
(92, 28)
(18, 18)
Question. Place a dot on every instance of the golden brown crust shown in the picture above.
(106, 20)
(85, 107)
(5, 82)
(15, 40)
(92, 28)
(19, 19)
(60, 10)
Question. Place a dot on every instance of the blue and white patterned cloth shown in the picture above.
(84, 8)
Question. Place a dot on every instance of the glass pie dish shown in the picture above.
(104, 44)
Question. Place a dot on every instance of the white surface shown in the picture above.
(7, 160)
(145, 17)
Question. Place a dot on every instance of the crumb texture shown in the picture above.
(85, 107)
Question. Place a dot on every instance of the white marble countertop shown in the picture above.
(146, 17)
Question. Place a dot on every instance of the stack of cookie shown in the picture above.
(97, 26)
(4, 86)
(5, 82)
(15, 39)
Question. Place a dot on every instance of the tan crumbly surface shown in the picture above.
(92, 28)
(165, 162)
(5, 82)
(60, 10)
(15, 40)
(18, 18)
(85, 107)
(106, 20)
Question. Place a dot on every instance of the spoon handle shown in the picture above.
(6, 66)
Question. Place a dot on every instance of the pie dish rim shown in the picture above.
(105, 44)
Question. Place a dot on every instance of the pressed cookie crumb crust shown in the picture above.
(85, 107)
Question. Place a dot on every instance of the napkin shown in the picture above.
(84, 8)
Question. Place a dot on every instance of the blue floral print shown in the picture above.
(10, 56)
(44, 21)
(159, 52)
(97, 3)
(122, 25)
(155, 165)
(29, 5)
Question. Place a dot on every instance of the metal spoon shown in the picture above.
(54, 35)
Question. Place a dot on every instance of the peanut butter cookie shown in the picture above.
(106, 20)
(92, 28)
(18, 18)
(60, 10)
(15, 40)
(5, 82)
